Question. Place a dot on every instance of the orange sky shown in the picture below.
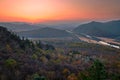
(46, 10)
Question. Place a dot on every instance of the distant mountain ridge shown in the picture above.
(20, 26)
(45, 33)
(107, 29)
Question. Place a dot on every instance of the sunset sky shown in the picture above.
(58, 10)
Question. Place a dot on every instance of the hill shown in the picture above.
(18, 58)
(107, 29)
(21, 59)
(45, 33)
(20, 26)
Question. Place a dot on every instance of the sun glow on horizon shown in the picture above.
(45, 10)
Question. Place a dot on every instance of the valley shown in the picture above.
(57, 54)
(59, 39)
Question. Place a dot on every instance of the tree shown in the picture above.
(34, 56)
(72, 77)
(8, 48)
(10, 67)
(95, 72)
(10, 63)
(39, 44)
(65, 72)
(36, 77)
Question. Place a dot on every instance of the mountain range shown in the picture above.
(20, 26)
(45, 33)
(107, 29)
(22, 59)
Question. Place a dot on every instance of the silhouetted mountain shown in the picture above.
(22, 26)
(107, 29)
(61, 26)
(45, 33)
(19, 26)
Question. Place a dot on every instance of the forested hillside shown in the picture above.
(107, 29)
(21, 59)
